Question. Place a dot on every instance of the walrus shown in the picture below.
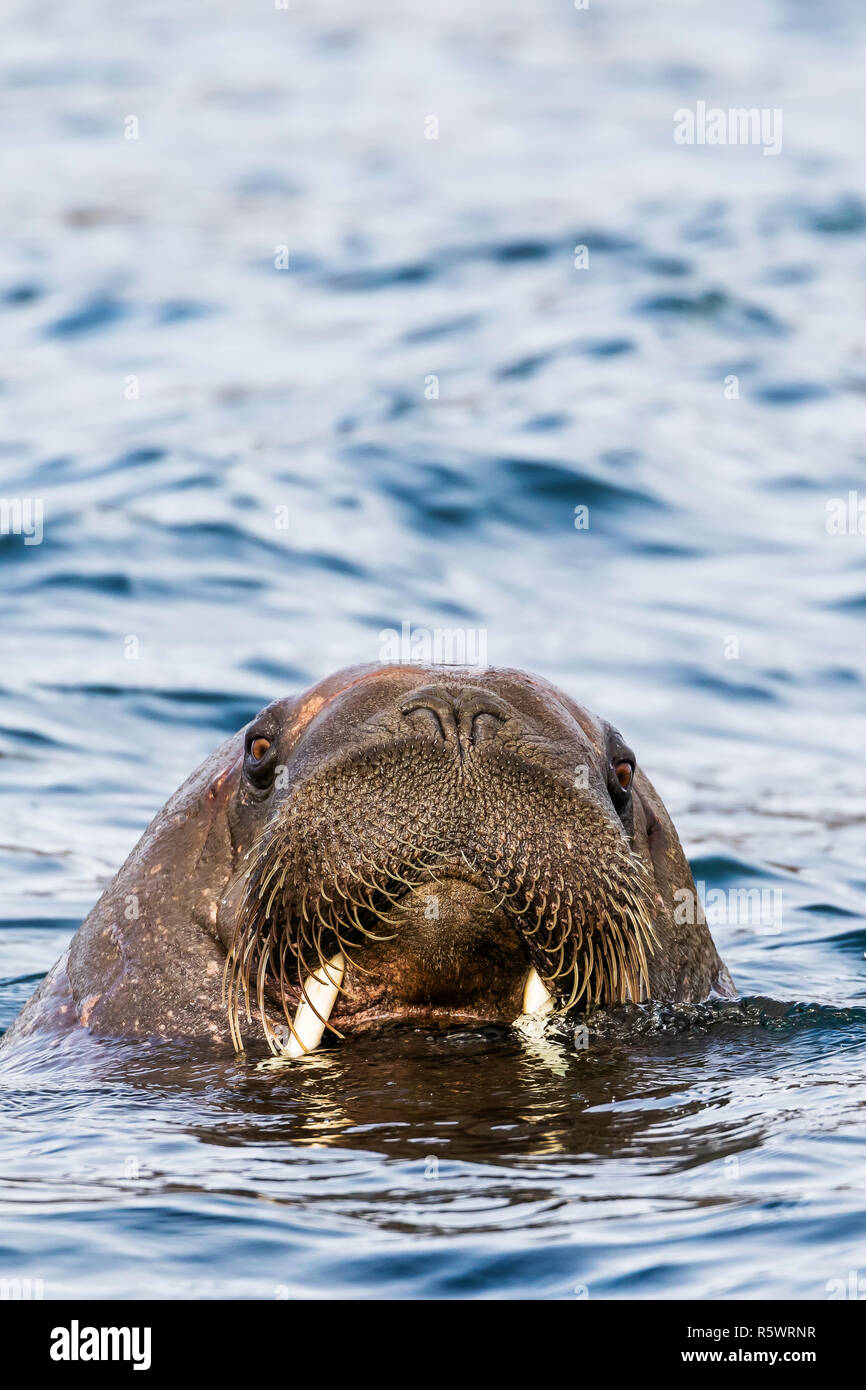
(397, 845)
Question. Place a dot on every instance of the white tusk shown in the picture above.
(537, 998)
(322, 989)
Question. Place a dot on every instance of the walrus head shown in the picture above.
(397, 844)
(446, 846)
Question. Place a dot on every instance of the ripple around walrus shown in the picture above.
(726, 868)
(630, 1022)
(791, 392)
(21, 294)
(851, 943)
(829, 909)
(845, 216)
(577, 1032)
(514, 490)
(714, 308)
(93, 316)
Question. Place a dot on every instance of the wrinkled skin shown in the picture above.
(475, 820)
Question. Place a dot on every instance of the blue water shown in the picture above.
(171, 397)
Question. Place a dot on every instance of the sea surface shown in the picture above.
(285, 372)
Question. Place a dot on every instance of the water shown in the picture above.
(167, 393)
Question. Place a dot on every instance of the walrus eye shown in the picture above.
(624, 773)
(260, 761)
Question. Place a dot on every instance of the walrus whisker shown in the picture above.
(608, 964)
(277, 888)
(560, 970)
(284, 983)
(576, 994)
(245, 963)
(356, 965)
(529, 932)
(572, 973)
(264, 963)
(230, 1002)
(613, 957)
(514, 912)
(376, 890)
(371, 936)
(371, 887)
(264, 882)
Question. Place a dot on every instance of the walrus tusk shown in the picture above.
(322, 993)
(537, 998)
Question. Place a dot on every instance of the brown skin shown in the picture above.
(491, 821)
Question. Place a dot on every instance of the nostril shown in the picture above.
(424, 715)
(484, 726)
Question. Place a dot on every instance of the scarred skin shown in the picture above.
(493, 758)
